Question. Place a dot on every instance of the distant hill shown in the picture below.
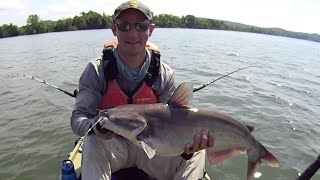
(272, 31)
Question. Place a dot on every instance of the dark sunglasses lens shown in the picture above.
(142, 26)
(123, 26)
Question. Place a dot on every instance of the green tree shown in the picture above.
(64, 25)
(93, 20)
(189, 21)
(106, 20)
(8, 30)
(201, 23)
(34, 25)
(79, 22)
(167, 20)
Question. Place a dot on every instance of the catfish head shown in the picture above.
(124, 123)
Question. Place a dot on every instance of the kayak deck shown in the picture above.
(76, 155)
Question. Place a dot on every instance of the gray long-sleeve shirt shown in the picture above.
(92, 86)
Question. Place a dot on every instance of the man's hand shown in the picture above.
(201, 141)
(102, 132)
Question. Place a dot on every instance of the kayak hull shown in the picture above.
(76, 155)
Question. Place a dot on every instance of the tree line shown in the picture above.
(94, 20)
(35, 25)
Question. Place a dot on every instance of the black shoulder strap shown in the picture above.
(111, 70)
(154, 68)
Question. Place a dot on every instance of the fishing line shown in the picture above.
(74, 94)
(100, 119)
(210, 82)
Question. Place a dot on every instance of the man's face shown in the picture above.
(132, 40)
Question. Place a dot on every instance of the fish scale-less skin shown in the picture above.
(164, 130)
(226, 134)
(169, 129)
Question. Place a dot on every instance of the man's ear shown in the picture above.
(113, 28)
(151, 28)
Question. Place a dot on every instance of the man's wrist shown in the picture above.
(186, 156)
(101, 130)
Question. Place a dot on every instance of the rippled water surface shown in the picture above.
(281, 98)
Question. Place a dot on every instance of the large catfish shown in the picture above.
(164, 130)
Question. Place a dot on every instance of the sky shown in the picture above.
(292, 15)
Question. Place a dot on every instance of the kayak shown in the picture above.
(75, 157)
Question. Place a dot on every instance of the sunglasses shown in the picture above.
(139, 26)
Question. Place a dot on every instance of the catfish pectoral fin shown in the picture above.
(148, 149)
(216, 157)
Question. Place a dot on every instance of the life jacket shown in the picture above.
(114, 95)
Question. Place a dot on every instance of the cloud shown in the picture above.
(71, 7)
(10, 11)
(12, 5)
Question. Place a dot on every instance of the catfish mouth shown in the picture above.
(128, 126)
(136, 132)
(136, 128)
(120, 127)
(104, 114)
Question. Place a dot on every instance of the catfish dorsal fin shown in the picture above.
(182, 96)
(250, 128)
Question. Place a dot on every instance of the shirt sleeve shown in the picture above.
(165, 83)
(91, 87)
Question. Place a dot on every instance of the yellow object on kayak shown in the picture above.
(76, 155)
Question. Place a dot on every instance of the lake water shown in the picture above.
(281, 98)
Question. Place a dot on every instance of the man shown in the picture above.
(135, 65)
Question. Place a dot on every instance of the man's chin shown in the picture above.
(135, 50)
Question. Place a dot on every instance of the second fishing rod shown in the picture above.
(75, 92)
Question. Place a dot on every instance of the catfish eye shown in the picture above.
(111, 118)
(103, 114)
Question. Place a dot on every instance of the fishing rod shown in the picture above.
(311, 170)
(74, 94)
(204, 85)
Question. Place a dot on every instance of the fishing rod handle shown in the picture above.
(311, 170)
